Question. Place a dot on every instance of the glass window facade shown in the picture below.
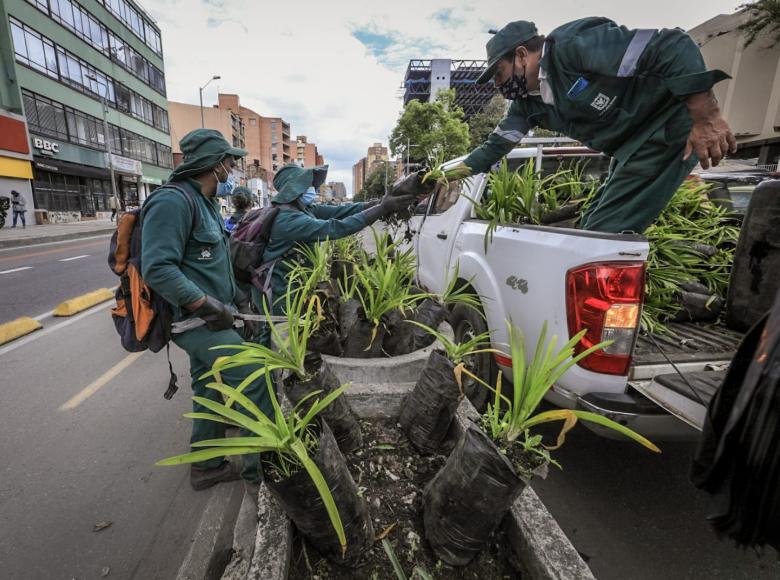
(84, 25)
(136, 22)
(40, 54)
(53, 119)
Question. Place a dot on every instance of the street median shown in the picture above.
(17, 328)
(81, 303)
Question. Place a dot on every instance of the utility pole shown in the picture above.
(107, 139)
(200, 90)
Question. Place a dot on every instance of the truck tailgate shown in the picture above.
(700, 352)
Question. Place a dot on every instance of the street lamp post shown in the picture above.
(200, 90)
(106, 138)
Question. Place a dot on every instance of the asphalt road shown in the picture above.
(634, 515)
(82, 423)
(35, 279)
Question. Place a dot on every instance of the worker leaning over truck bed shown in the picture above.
(643, 97)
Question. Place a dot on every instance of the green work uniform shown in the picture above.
(621, 92)
(183, 263)
(311, 224)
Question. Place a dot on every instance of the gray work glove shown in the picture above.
(215, 314)
(387, 205)
(413, 184)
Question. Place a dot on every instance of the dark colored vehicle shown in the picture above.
(733, 187)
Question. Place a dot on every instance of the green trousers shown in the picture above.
(638, 189)
(197, 344)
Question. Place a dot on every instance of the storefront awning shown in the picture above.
(67, 168)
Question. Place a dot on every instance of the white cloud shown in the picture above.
(302, 60)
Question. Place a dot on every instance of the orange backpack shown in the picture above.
(142, 317)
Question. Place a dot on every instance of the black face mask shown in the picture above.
(515, 87)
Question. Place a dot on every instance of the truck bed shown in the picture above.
(701, 352)
(687, 343)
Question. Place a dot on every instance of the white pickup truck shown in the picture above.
(572, 279)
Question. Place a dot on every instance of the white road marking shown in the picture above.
(100, 382)
(16, 270)
(74, 258)
(47, 331)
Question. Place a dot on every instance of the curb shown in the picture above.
(15, 243)
(17, 328)
(211, 546)
(79, 303)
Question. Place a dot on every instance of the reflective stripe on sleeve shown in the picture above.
(634, 51)
(512, 135)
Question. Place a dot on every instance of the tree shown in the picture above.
(764, 16)
(483, 123)
(431, 128)
(374, 185)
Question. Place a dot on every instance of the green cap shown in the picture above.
(292, 181)
(505, 40)
(202, 150)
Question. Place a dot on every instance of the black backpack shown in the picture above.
(142, 317)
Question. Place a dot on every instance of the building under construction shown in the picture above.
(427, 77)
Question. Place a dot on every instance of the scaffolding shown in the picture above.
(470, 96)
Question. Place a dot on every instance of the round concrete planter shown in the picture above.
(396, 370)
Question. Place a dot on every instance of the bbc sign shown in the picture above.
(46, 146)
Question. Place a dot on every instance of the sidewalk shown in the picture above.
(13, 237)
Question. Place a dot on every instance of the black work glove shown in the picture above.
(215, 314)
(413, 184)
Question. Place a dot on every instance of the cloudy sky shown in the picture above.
(334, 68)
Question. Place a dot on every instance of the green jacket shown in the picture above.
(315, 223)
(608, 87)
(182, 263)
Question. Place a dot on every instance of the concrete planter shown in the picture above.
(541, 547)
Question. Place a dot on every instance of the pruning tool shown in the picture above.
(192, 323)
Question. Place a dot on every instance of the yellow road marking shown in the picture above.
(100, 382)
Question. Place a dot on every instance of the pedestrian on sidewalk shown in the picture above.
(186, 259)
(19, 205)
(112, 206)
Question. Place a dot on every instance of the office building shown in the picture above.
(68, 59)
(425, 78)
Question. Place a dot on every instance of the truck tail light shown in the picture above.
(606, 299)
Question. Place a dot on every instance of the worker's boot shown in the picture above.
(201, 478)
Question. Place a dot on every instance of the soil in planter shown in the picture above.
(391, 475)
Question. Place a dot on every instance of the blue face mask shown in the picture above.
(224, 188)
(308, 197)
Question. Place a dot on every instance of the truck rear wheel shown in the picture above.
(467, 323)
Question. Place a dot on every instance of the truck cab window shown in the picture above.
(445, 196)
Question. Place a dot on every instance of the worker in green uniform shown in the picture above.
(186, 259)
(300, 220)
(644, 97)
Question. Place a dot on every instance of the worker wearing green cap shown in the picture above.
(300, 220)
(643, 97)
(186, 259)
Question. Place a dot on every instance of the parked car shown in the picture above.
(733, 183)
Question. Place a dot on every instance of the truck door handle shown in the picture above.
(441, 236)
